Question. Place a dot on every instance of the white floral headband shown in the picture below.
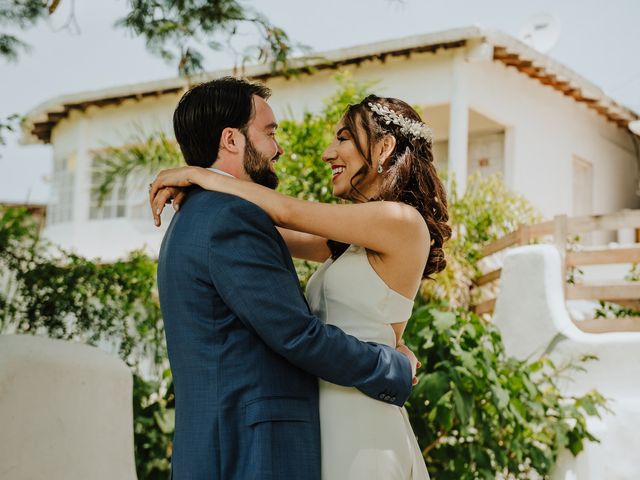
(407, 126)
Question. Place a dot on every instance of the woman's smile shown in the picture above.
(337, 170)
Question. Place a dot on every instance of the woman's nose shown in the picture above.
(329, 154)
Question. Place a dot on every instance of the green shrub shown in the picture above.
(486, 211)
(476, 411)
(63, 295)
(153, 425)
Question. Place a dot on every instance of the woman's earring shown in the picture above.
(379, 167)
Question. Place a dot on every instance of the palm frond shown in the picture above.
(146, 156)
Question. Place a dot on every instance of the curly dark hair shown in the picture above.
(409, 174)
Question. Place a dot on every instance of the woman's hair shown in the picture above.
(409, 174)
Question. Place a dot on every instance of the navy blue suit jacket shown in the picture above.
(245, 350)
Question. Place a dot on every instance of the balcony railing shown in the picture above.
(558, 231)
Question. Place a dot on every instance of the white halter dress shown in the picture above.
(362, 438)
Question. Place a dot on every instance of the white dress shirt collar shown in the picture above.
(220, 172)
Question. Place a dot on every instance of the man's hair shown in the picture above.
(207, 109)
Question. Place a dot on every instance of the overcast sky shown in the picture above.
(599, 39)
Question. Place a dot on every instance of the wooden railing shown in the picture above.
(557, 231)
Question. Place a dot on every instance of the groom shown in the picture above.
(244, 349)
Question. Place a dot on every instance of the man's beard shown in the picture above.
(258, 166)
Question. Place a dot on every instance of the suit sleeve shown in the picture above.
(247, 270)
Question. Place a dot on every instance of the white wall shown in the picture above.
(79, 136)
(544, 130)
(548, 129)
(422, 80)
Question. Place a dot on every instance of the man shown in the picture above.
(244, 348)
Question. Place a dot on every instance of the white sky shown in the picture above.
(600, 40)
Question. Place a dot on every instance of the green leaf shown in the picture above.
(589, 406)
(166, 420)
(575, 445)
(518, 409)
(468, 361)
(463, 404)
(435, 384)
(501, 396)
(442, 321)
(444, 416)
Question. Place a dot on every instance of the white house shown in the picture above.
(495, 105)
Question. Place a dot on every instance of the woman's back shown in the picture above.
(350, 294)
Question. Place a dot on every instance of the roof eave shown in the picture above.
(41, 121)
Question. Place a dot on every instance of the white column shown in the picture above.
(459, 123)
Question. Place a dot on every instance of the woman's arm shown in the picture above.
(398, 329)
(305, 246)
(383, 227)
(301, 245)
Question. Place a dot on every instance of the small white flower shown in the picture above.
(407, 126)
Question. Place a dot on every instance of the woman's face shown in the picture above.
(345, 160)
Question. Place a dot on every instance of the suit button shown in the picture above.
(381, 396)
(387, 398)
(393, 399)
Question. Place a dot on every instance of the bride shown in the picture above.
(381, 245)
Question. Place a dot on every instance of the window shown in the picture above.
(138, 197)
(61, 203)
(113, 205)
(485, 154)
(127, 198)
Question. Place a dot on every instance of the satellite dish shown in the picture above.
(541, 32)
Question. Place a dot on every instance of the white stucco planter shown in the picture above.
(65, 412)
(531, 314)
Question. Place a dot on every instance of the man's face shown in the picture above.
(262, 149)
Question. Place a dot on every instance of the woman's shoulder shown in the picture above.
(404, 214)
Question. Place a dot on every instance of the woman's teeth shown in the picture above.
(338, 170)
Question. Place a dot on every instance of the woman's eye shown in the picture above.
(342, 139)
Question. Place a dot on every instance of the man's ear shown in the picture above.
(232, 140)
(387, 146)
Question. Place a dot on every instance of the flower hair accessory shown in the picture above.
(407, 126)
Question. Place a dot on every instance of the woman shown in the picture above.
(381, 246)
